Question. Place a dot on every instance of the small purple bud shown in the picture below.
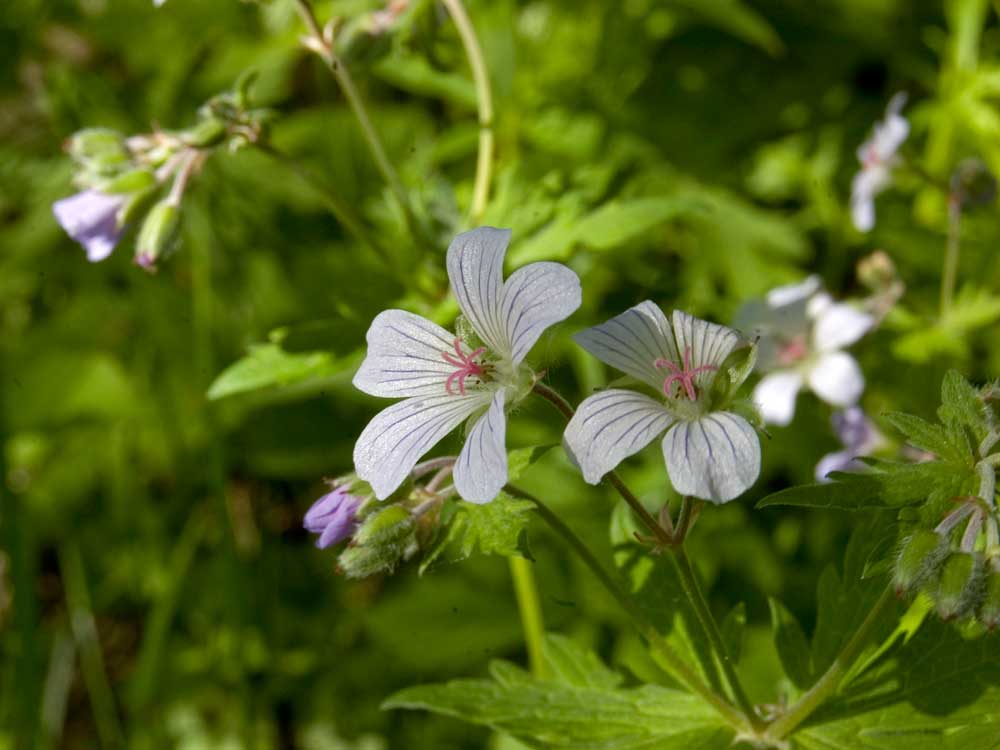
(333, 516)
(91, 218)
(859, 436)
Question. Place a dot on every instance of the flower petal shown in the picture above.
(475, 268)
(481, 469)
(91, 218)
(405, 357)
(837, 461)
(709, 343)
(866, 184)
(837, 379)
(398, 436)
(791, 294)
(775, 396)
(632, 342)
(840, 325)
(716, 458)
(534, 298)
(611, 426)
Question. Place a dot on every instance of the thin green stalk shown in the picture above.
(828, 684)
(949, 274)
(323, 47)
(95, 675)
(689, 582)
(530, 607)
(484, 100)
(656, 641)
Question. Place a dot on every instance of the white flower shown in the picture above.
(444, 381)
(878, 157)
(802, 332)
(709, 453)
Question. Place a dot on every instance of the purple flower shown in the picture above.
(333, 516)
(860, 438)
(91, 218)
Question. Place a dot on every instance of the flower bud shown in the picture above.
(379, 544)
(989, 608)
(158, 233)
(133, 181)
(877, 271)
(973, 184)
(919, 557)
(959, 587)
(207, 133)
(99, 149)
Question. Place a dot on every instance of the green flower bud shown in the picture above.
(137, 204)
(989, 608)
(158, 233)
(733, 372)
(379, 544)
(99, 149)
(133, 181)
(918, 560)
(959, 587)
(209, 132)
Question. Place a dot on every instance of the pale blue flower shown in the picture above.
(333, 516)
(91, 218)
(859, 436)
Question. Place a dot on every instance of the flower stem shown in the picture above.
(656, 641)
(689, 582)
(949, 274)
(828, 684)
(530, 607)
(323, 47)
(484, 101)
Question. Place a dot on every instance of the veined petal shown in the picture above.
(632, 342)
(534, 298)
(837, 379)
(611, 426)
(840, 325)
(398, 436)
(475, 268)
(709, 343)
(715, 458)
(481, 468)
(405, 357)
(775, 396)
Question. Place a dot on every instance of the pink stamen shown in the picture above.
(793, 351)
(683, 375)
(466, 365)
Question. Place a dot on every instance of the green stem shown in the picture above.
(95, 675)
(324, 48)
(949, 274)
(689, 582)
(530, 607)
(828, 684)
(656, 641)
(484, 100)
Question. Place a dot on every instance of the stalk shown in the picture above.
(530, 607)
(949, 274)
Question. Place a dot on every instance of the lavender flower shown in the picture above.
(878, 158)
(91, 218)
(333, 516)
(860, 438)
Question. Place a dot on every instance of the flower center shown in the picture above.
(793, 351)
(465, 365)
(683, 375)
(871, 158)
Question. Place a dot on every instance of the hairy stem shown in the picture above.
(949, 274)
(656, 641)
(828, 684)
(530, 607)
(689, 582)
(323, 47)
(484, 101)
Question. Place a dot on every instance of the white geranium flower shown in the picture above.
(802, 333)
(878, 158)
(444, 380)
(710, 453)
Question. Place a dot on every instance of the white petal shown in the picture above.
(611, 426)
(534, 298)
(890, 134)
(397, 437)
(481, 469)
(840, 325)
(475, 268)
(714, 458)
(709, 344)
(405, 357)
(775, 396)
(866, 184)
(793, 293)
(632, 342)
(837, 379)
(837, 461)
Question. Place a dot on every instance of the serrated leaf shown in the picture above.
(961, 407)
(858, 493)
(496, 528)
(580, 707)
(926, 435)
(791, 644)
(519, 460)
(270, 366)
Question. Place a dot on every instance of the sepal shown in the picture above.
(380, 544)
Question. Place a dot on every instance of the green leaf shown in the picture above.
(496, 528)
(961, 407)
(519, 460)
(792, 646)
(930, 437)
(270, 366)
(972, 309)
(733, 628)
(415, 75)
(581, 706)
(857, 493)
(739, 20)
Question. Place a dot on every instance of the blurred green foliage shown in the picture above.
(156, 589)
